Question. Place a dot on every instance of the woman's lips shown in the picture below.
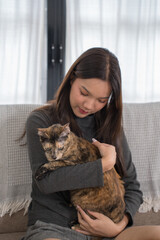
(82, 111)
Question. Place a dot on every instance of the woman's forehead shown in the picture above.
(95, 86)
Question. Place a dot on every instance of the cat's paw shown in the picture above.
(41, 173)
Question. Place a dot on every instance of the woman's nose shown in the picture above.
(89, 104)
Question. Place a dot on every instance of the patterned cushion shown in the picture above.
(142, 128)
(15, 173)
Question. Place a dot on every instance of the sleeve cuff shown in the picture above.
(130, 223)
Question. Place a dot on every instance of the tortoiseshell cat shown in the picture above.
(63, 148)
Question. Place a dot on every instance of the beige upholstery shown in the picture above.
(13, 227)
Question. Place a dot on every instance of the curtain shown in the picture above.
(131, 30)
(23, 51)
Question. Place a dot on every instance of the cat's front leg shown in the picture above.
(48, 167)
(41, 172)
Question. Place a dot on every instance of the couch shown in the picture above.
(142, 128)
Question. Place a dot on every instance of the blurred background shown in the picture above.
(40, 39)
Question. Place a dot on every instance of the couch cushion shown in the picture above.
(142, 128)
(12, 236)
(15, 223)
(149, 218)
(15, 172)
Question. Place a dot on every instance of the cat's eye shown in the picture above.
(47, 149)
(60, 148)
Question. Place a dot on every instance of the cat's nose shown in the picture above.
(53, 156)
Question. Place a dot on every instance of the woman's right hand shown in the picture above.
(100, 225)
(108, 154)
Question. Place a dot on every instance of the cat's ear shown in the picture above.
(42, 132)
(66, 127)
(66, 130)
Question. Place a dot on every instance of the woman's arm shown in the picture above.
(102, 225)
(65, 178)
(108, 155)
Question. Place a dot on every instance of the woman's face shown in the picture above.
(88, 96)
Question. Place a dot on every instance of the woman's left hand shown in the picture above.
(100, 226)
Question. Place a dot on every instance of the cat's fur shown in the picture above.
(63, 148)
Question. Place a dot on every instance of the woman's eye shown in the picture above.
(102, 101)
(84, 94)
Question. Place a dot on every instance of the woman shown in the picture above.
(90, 99)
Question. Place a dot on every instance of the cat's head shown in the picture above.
(54, 140)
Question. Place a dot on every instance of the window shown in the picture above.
(130, 29)
(23, 62)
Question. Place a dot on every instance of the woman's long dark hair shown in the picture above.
(95, 63)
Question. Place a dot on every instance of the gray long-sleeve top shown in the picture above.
(50, 196)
